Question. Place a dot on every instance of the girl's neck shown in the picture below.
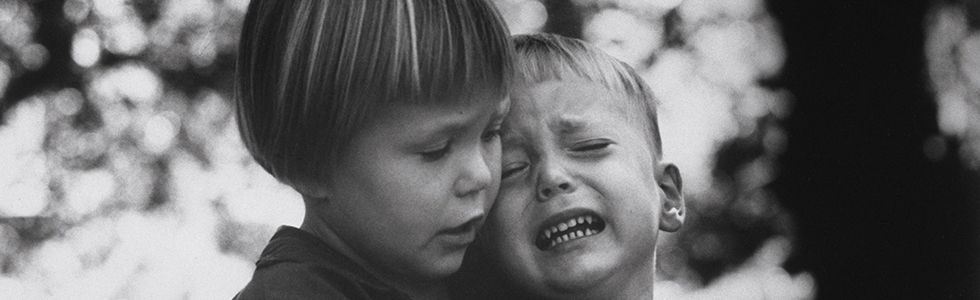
(412, 286)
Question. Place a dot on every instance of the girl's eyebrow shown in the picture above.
(436, 134)
(433, 132)
(502, 110)
(455, 127)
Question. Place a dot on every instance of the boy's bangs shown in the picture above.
(542, 58)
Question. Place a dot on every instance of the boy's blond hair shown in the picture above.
(546, 57)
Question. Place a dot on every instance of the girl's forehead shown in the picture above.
(434, 117)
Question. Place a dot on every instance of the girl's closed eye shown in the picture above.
(491, 133)
(437, 153)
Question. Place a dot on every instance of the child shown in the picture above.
(385, 116)
(584, 191)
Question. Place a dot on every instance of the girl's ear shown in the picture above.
(320, 194)
(673, 211)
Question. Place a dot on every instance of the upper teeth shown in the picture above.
(567, 224)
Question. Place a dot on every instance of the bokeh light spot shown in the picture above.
(34, 56)
(69, 101)
(23, 181)
(109, 9)
(85, 47)
(953, 56)
(159, 132)
(624, 36)
(5, 76)
(127, 38)
(969, 58)
(533, 15)
(77, 11)
(87, 190)
(954, 112)
(202, 50)
(137, 83)
(18, 23)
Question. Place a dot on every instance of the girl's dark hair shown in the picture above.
(312, 73)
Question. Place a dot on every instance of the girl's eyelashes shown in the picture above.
(492, 132)
(591, 145)
(434, 155)
(512, 169)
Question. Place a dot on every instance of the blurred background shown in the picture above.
(829, 150)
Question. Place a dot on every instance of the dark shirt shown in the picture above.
(480, 278)
(299, 265)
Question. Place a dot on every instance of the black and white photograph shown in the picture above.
(489, 149)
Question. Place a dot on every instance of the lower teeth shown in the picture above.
(546, 242)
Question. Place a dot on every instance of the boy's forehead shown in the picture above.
(569, 104)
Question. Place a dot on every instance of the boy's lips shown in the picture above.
(567, 226)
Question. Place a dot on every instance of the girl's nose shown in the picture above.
(475, 175)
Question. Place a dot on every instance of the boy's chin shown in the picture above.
(580, 275)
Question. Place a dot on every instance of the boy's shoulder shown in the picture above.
(298, 265)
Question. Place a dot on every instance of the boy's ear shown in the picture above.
(671, 186)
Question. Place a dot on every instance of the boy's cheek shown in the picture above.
(496, 220)
(507, 208)
(503, 216)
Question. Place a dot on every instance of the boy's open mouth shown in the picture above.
(569, 229)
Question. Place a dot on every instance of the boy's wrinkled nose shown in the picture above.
(553, 181)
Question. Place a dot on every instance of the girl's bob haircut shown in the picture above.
(312, 73)
(547, 57)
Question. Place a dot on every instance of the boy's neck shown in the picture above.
(629, 284)
(416, 289)
(637, 286)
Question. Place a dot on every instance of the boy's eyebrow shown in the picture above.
(512, 137)
(568, 125)
(508, 135)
